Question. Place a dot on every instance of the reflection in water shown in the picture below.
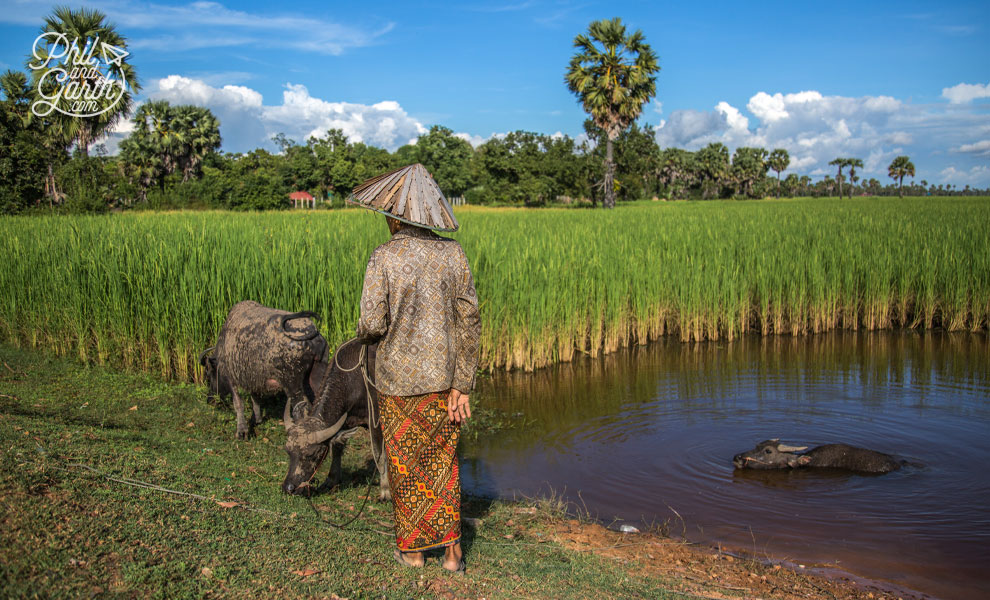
(649, 434)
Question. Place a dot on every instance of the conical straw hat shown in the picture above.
(408, 194)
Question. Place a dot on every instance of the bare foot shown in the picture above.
(452, 558)
(410, 559)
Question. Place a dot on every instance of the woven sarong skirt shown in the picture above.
(421, 449)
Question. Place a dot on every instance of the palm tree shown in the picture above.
(613, 74)
(675, 170)
(713, 167)
(899, 168)
(840, 162)
(168, 139)
(17, 94)
(874, 186)
(141, 163)
(200, 136)
(778, 161)
(853, 164)
(87, 27)
(749, 166)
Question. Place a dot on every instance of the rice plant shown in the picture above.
(148, 291)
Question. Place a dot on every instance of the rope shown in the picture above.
(150, 486)
(336, 355)
(373, 421)
(367, 494)
(158, 488)
(362, 363)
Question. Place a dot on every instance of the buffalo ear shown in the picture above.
(803, 460)
(302, 409)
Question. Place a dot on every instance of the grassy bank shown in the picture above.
(227, 531)
(149, 291)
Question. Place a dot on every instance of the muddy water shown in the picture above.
(648, 435)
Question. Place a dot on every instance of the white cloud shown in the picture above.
(477, 140)
(964, 93)
(815, 129)
(196, 25)
(958, 30)
(474, 140)
(980, 148)
(978, 176)
(111, 141)
(733, 117)
(246, 122)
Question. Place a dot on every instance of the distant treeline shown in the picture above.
(172, 160)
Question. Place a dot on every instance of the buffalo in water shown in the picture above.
(771, 454)
(347, 403)
(261, 351)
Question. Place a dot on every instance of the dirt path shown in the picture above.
(718, 574)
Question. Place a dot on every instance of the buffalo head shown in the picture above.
(771, 454)
(210, 371)
(307, 444)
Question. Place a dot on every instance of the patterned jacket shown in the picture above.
(420, 304)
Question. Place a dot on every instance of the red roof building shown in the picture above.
(302, 199)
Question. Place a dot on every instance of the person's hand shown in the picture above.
(458, 407)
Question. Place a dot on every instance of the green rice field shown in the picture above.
(149, 291)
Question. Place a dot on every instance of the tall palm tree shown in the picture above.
(899, 168)
(198, 134)
(778, 161)
(675, 170)
(713, 167)
(86, 28)
(169, 139)
(613, 75)
(853, 164)
(141, 163)
(841, 163)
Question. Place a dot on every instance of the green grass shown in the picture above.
(68, 533)
(149, 291)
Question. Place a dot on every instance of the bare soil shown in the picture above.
(718, 573)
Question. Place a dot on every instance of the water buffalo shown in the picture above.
(261, 351)
(771, 454)
(341, 409)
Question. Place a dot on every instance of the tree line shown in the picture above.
(172, 160)
(172, 157)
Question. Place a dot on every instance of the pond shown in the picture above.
(648, 434)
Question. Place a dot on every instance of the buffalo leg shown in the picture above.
(242, 428)
(256, 410)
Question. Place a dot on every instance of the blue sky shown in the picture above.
(865, 79)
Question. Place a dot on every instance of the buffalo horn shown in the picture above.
(202, 356)
(318, 437)
(287, 415)
(785, 448)
(306, 314)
